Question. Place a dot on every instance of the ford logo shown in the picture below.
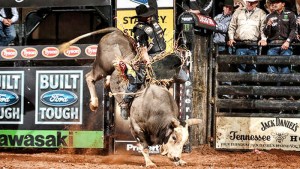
(140, 1)
(59, 98)
(8, 98)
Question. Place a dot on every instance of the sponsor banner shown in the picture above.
(130, 147)
(126, 4)
(11, 97)
(51, 139)
(257, 133)
(54, 3)
(166, 21)
(9, 53)
(59, 97)
(44, 52)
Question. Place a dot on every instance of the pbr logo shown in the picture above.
(140, 1)
(59, 97)
(11, 97)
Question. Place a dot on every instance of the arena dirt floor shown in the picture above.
(200, 157)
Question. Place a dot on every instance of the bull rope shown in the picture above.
(123, 93)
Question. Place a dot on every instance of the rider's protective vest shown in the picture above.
(156, 41)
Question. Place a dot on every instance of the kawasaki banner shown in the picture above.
(51, 139)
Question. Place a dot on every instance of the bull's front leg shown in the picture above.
(145, 152)
(138, 134)
(90, 80)
(180, 163)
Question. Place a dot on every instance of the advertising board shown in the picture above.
(126, 10)
(45, 107)
(244, 133)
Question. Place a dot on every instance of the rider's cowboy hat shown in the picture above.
(143, 12)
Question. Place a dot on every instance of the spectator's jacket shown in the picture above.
(204, 6)
(222, 28)
(247, 26)
(14, 15)
(283, 28)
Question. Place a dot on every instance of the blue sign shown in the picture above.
(140, 1)
(8, 98)
(59, 98)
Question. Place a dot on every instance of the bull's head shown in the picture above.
(177, 137)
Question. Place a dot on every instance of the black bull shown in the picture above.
(150, 124)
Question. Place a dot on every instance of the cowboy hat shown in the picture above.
(275, 1)
(226, 3)
(143, 12)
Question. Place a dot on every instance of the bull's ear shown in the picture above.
(175, 123)
(193, 121)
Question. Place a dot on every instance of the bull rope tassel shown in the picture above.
(119, 93)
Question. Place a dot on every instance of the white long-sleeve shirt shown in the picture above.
(15, 14)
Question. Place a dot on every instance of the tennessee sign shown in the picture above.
(59, 97)
(11, 97)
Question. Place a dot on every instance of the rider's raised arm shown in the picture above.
(153, 4)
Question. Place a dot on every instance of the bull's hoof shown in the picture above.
(180, 163)
(93, 108)
(151, 165)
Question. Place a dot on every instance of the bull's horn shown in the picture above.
(175, 122)
(163, 150)
(193, 121)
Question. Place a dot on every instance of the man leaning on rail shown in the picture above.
(246, 27)
(280, 29)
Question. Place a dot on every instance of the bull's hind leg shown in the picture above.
(91, 80)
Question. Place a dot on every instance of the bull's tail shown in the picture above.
(66, 45)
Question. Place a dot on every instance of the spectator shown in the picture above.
(296, 9)
(280, 29)
(239, 4)
(246, 26)
(203, 7)
(269, 7)
(223, 21)
(150, 41)
(8, 16)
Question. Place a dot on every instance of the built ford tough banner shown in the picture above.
(48, 107)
